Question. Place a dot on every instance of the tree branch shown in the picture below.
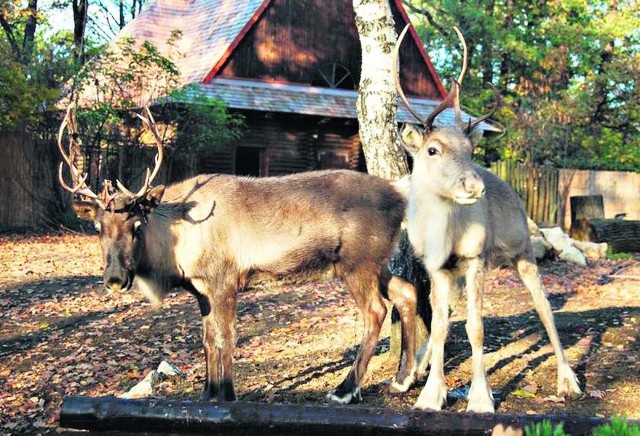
(8, 30)
(427, 14)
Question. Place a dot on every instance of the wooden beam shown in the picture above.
(110, 414)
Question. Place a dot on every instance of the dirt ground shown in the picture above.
(61, 334)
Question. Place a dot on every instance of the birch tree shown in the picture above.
(376, 107)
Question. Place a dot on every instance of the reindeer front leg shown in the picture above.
(218, 310)
(434, 394)
(480, 397)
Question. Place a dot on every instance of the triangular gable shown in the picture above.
(211, 30)
(418, 43)
(278, 25)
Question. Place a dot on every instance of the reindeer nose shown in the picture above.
(473, 184)
(115, 283)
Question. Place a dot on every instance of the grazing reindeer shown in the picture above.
(211, 233)
(462, 219)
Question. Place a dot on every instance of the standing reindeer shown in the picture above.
(211, 233)
(461, 219)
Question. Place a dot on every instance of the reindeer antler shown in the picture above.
(79, 180)
(452, 96)
(473, 123)
(151, 124)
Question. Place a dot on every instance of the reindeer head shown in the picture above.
(120, 216)
(442, 157)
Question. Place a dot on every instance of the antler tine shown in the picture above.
(77, 189)
(456, 103)
(396, 75)
(428, 122)
(493, 110)
(150, 175)
(80, 187)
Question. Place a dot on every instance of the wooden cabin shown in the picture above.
(292, 68)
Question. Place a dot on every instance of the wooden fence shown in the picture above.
(536, 185)
(28, 194)
(546, 191)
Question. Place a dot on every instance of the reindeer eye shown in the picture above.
(432, 151)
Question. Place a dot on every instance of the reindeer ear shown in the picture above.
(86, 210)
(411, 138)
(152, 199)
(475, 136)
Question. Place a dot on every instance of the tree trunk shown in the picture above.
(79, 27)
(29, 32)
(583, 208)
(376, 108)
(160, 416)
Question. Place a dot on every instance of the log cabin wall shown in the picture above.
(280, 144)
(296, 39)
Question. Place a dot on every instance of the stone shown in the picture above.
(557, 238)
(533, 228)
(573, 255)
(592, 250)
(541, 247)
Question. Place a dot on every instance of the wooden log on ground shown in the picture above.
(623, 236)
(122, 416)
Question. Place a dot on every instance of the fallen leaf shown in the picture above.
(521, 393)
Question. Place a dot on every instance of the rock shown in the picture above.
(592, 250)
(557, 238)
(168, 369)
(143, 389)
(541, 248)
(573, 255)
(533, 228)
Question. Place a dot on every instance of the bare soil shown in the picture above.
(61, 334)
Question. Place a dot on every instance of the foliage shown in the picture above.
(126, 76)
(201, 120)
(617, 427)
(544, 428)
(30, 77)
(568, 73)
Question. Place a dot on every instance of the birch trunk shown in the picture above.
(376, 107)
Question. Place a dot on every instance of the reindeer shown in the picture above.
(462, 219)
(210, 234)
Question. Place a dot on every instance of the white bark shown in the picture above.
(377, 99)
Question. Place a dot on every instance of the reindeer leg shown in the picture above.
(218, 310)
(480, 397)
(364, 287)
(434, 393)
(404, 297)
(528, 270)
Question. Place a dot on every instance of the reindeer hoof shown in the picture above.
(568, 385)
(345, 398)
(481, 407)
(431, 398)
(402, 387)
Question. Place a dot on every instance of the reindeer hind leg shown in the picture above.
(364, 286)
(528, 271)
(404, 297)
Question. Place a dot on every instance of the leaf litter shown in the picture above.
(62, 334)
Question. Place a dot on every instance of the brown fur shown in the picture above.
(211, 233)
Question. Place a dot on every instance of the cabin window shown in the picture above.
(250, 161)
(327, 159)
